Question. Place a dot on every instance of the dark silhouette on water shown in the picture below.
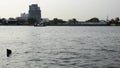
(9, 52)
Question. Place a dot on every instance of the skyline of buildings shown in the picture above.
(63, 9)
(34, 11)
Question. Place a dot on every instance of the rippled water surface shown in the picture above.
(60, 47)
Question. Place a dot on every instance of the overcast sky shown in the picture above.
(64, 9)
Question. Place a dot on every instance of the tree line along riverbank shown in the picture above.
(60, 22)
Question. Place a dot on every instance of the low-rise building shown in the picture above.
(24, 16)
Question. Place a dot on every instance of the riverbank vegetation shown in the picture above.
(57, 21)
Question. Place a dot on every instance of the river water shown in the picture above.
(60, 47)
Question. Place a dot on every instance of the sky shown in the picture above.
(63, 9)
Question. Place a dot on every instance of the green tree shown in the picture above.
(21, 21)
(11, 18)
(60, 21)
(55, 21)
(72, 21)
(3, 21)
(117, 20)
(32, 21)
(93, 20)
(46, 23)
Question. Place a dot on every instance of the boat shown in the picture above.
(38, 25)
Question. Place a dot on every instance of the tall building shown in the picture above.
(24, 16)
(35, 12)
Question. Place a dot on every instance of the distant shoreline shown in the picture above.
(56, 25)
(69, 25)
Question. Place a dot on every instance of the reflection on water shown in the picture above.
(60, 47)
